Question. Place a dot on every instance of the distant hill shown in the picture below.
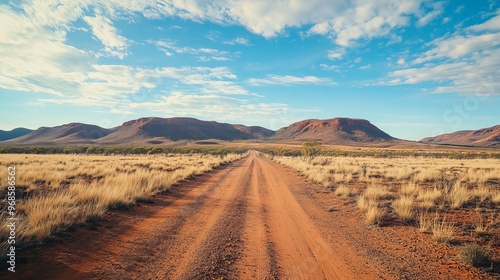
(72, 133)
(175, 129)
(141, 131)
(337, 130)
(16, 132)
(486, 137)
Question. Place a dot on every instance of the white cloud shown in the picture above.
(328, 67)
(103, 29)
(478, 75)
(203, 54)
(289, 80)
(436, 10)
(238, 41)
(364, 67)
(365, 20)
(492, 24)
(465, 62)
(337, 53)
(35, 58)
(428, 18)
(269, 18)
(459, 46)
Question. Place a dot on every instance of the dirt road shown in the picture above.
(252, 219)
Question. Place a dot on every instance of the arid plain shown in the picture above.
(288, 207)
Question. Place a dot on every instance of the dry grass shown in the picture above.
(92, 184)
(424, 223)
(427, 199)
(482, 193)
(495, 197)
(458, 196)
(481, 228)
(364, 203)
(442, 231)
(413, 186)
(376, 192)
(404, 208)
(409, 189)
(374, 214)
(343, 192)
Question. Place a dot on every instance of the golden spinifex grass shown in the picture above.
(332, 170)
(69, 189)
(433, 182)
(407, 189)
(404, 208)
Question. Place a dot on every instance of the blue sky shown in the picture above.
(414, 68)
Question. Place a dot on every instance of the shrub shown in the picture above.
(311, 149)
(475, 255)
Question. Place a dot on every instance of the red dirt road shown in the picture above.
(252, 219)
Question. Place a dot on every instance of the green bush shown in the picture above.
(474, 255)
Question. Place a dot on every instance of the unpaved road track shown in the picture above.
(252, 219)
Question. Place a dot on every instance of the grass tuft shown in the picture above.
(344, 192)
(375, 192)
(374, 214)
(458, 196)
(424, 223)
(404, 208)
(442, 231)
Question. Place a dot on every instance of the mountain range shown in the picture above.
(489, 136)
(153, 130)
